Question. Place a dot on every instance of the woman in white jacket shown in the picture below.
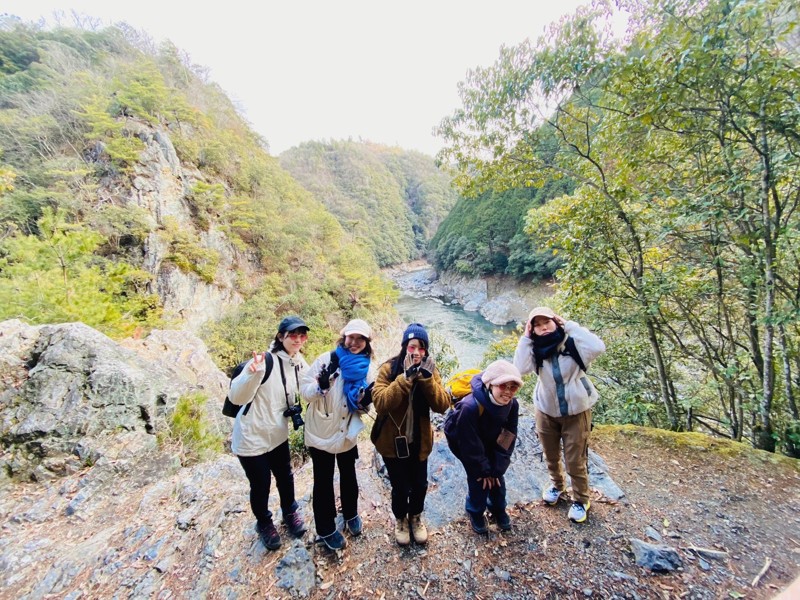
(560, 352)
(261, 430)
(337, 392)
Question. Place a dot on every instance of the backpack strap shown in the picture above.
(571, 350)
(269, 362)
(333, 365)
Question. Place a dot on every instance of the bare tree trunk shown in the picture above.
(766, 440)
(787, 372)
(663, 380)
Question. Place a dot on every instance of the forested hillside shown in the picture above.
(486, 235)
(390, 199)
(132, 194)
(680, 241)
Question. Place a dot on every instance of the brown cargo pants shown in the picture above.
(574, 430)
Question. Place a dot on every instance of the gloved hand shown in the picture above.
(324, 379)
(411, 369)
(366, 398)
(426, 367)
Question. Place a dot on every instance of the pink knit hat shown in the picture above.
(499, 372)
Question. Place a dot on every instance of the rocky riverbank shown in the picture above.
(500, 300)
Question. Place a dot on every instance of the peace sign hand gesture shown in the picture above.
(258, 362)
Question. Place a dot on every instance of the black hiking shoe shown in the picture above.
(478, 522)
(294, 523)
(503, 520)
(268, 535)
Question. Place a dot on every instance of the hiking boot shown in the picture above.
(334, 541)
(577, 512)
(294, 523)
(401, 533)
(418, 529)
(478, 522)
(503, 520)
(268, 535)
(354, 525)
(551, 495)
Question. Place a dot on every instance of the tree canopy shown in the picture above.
(389, 199)
(76, 107)
(680, 239)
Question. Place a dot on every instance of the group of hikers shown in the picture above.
(481, 430)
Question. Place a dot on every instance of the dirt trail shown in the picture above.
(191, 534)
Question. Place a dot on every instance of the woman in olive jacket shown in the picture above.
(408, 387)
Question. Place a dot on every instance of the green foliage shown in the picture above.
(123, 226)
(186, 251)
(122, 148)
(56, 277)
(190, 428)
(679, 240)
(484, 235)
(206, 201)
(446, 359)
(297, 446)
(372, 188)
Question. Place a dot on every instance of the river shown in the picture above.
(467, 332)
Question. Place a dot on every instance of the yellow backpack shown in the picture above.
(458, 385)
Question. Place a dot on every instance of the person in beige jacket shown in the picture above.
(408, 387)
(560, 351)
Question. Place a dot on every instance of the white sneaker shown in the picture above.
(577, 512)
(551, 495)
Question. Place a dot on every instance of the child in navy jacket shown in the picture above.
(481, 432)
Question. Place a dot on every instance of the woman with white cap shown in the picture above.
(337, 392)
(560, 352)
(408, 387)
(482, 432)
(261, 430)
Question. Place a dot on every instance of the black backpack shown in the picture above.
(229, 409)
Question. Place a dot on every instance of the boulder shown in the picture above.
(68, 389)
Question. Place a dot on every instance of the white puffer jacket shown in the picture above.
(562, 387)
(330, 426)
(264, 427)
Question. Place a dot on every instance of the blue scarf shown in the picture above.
(354, 368)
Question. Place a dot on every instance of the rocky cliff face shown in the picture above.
(160, 185)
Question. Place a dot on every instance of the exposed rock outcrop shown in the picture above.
(500, 300)
(99, 507)
(160, 186)
(68, 390)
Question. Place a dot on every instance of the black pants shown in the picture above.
(324, 502)
(409, 479)
(257, 469)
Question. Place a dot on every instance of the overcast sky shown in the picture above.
(334, 69)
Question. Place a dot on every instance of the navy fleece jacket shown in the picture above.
(472, 436)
